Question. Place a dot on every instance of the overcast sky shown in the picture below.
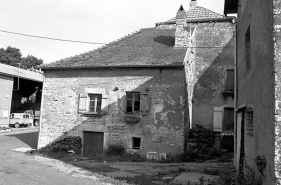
(100, 21)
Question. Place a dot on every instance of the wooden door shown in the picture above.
(92, 143)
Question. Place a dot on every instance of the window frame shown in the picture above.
(133, 102)
(96, 102)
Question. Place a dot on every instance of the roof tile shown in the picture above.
(146, 47)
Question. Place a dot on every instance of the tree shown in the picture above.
(30, 61)
(13, 57)
(10, 56)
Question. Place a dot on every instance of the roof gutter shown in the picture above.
(110, 67)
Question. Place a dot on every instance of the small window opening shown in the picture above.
(95, 103)
(136, 143)
(133, 102)
(248, 50)
(230, 80)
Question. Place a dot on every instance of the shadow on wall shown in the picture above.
(211, 66)
(144, 109)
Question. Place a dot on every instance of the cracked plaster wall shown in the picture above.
(161, 130)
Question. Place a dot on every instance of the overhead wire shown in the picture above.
(97, 43)
(28, 46)
(45, 46)
(41, 37)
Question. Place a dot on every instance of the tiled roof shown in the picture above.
(145, 47)
(199, 13)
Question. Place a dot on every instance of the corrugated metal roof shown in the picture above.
(22, 73)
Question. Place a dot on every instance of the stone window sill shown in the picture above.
(91, 114)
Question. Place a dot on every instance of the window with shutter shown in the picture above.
(91, 103)
(217, 119)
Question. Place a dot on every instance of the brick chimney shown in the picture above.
(192, 4)
(182, 30)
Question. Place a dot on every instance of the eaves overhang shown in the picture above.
(113, 66)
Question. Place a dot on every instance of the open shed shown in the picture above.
(20, 90)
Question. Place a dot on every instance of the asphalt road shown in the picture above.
(21, 169)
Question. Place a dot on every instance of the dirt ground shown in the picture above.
(153, 172)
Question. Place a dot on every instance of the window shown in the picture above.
(95, 103)
(223, 119)
(228, 119)
(133, 102)
(136, 143)
(230, 80)
(248, 50)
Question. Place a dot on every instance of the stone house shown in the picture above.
(258, 76)
(139, 89)
(209, 66)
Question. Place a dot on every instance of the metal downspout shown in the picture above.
(235, 88)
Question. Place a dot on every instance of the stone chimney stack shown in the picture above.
(182, 30)
(192, 4)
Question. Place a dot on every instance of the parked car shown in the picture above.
(20, 119)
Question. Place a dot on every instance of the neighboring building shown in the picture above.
(16, 83)
(258, 133)
(133, 91)
(209, 65)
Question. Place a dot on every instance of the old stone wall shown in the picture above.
(210, 54)
(256, 85)
(277, 62)
(160, 130)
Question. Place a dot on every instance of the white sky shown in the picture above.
(100, 21)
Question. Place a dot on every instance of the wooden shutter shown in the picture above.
(82, 107)
(123, 101)
(217, 121)
(104, 104)
(144, 103)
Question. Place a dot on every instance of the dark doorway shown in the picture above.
(242, 148)
(93, 143)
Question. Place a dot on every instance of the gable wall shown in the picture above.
(161, 130)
